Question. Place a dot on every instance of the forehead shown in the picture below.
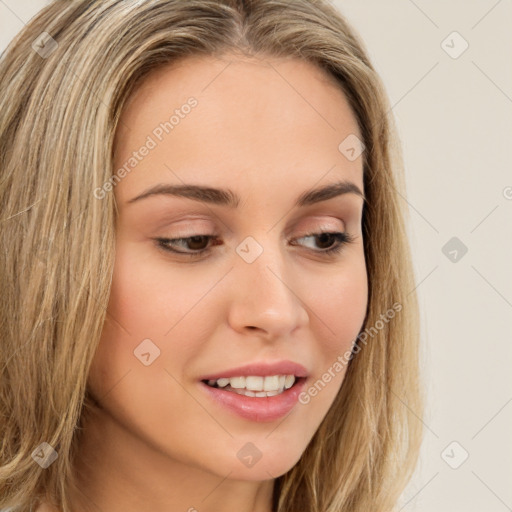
(276, 120)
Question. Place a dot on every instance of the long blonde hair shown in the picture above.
(60, 104)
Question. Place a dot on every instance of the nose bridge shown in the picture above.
(264, 295)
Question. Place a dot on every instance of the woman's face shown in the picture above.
(250, 281)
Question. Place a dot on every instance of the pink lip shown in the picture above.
(262, 409)
(261, 369)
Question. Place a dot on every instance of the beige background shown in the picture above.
(454, 116)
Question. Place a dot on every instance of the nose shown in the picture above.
(266, 297)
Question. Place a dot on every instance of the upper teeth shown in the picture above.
(257, 383)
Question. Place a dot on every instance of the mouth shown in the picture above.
(260, 391)
(256, 386)
(258, 404)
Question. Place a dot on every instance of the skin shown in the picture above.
(268, 129)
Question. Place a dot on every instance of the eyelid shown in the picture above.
(323, 227)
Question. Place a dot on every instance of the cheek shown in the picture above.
(341, 302)
(340, 305)
(147, 297)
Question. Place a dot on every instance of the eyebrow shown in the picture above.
(228, 198)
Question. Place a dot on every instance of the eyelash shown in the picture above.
(342, 238)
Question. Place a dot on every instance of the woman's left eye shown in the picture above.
(339, 239)
(195, 245)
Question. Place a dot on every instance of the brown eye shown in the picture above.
(327, 239)
(190, 246)
(196, 243)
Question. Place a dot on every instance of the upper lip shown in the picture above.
(262, 368)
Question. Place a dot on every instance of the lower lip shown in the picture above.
(265, 408)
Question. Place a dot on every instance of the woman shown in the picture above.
(207, 289)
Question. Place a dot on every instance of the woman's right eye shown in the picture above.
(195, 243)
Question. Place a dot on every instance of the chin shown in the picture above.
(264, 464)
(261, 471)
